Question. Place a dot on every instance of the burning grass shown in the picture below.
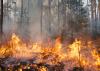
(78, 54)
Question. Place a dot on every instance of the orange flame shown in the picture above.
(75, 53)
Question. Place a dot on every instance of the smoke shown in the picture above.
(28, 26)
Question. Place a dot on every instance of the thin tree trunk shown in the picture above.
(99, 8)
(58, 16)
(1, 18)
(49, 15)
(64, 19)
(41, 17)
(21, 12)
(93, 18)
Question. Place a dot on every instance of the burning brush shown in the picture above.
(17, 55)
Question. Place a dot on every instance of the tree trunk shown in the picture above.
(64, 19)
(49, 15)
(21, 12)
(94, 18)
(41, 17)
(1, 19)
(99, 8)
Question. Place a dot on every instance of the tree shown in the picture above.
(99, 7)
(46, 16)
(78, 16)
(1, 18)
(49, 15)
(63, 2)
(94, 18)
(41, 17)
(74, 17)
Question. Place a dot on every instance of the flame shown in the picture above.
(75, 48)
(42, 68)
(96, 57)
(15, 39)
(75, 54)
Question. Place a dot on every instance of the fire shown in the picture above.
(75, 48)
(96, 57)
(15, 39)
(76, 54)
(18, 48)
(42, 68)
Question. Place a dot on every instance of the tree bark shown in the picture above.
(99, 8)
(21, 12)
(64, 18)
(1, 18)
(49, 15)
(41, 16)
(94, 18)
